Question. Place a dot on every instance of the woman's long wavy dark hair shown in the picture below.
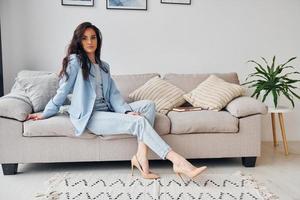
(75, 47)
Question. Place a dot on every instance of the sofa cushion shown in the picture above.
(162, 126)
(188, 82)
(39, 89)
(128, 83)
(59, 125)
(164, 94)
(213, 94)
(26, 74)
(203, 122)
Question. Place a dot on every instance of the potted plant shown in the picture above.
(273, 79)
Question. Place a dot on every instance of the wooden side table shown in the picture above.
(279, 110)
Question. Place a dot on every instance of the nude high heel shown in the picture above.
(135, 163)
(191, 174)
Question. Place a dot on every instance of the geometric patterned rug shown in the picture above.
(169, 187)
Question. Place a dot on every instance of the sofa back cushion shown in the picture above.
(39, 89)
(38, 86)
(128, 83)
(17, 87)
(188, 82)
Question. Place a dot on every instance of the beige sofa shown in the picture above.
(232, 132)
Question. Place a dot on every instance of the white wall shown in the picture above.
(208, 36)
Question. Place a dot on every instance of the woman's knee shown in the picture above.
(137, 126)
(139, 123)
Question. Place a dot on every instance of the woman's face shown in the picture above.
(89, 41)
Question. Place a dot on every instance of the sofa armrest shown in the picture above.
(15, 106)
(245, 106)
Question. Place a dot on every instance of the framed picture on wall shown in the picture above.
(77, 2)
(185, 2)
(127, 4)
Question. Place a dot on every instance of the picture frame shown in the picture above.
(182, 2)
(127, 4)
(77, 3)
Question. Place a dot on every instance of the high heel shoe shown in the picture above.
(191, 174)
(135, 163)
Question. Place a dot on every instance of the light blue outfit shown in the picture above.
(114, 121)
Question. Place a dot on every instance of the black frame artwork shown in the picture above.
(181, 2)
(126, 8)
(1, 69)
(89, 3)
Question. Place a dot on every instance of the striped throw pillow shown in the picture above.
(213, 93)
(165, 95)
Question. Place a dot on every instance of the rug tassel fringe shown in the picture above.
(262, 189)
(52, 183)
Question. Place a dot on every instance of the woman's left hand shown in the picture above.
(133, 113)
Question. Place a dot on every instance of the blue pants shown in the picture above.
(112, 123)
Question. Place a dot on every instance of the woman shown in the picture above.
(97, 105)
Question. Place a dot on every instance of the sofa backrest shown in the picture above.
(188, 82)
(128, 83)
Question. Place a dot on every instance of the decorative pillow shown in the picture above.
(15, 106)
(26, 73)
(213, 93)
(164, 94)
(39, 89)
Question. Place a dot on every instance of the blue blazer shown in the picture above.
(84, 96)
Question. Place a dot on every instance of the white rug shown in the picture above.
(168, 187)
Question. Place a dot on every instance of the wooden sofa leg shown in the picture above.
(249, 161)
(10, 169)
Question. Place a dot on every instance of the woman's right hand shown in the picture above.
(133, 113)
(35, 116)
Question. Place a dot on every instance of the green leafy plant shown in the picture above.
(275, 80)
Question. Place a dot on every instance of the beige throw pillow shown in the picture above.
(164, 94)
(213, 93)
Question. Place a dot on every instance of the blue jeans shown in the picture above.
(112, 123)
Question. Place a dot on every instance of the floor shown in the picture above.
(279, 173)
